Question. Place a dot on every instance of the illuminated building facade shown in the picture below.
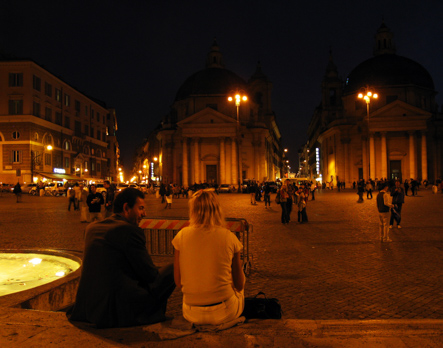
(205, 138)
(397, 134)
(51, 131)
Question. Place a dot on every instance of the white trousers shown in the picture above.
(213, 315)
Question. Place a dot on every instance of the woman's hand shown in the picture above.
(177, 275)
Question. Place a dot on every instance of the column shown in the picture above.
(364, 159)
(233, 162)
(196, 162)
(346, 178)
(222, 162)
(185, 163)
(384, 156)
(424, 157)
(411, 156)
(371, 156)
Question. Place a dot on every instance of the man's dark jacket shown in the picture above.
(114, 286)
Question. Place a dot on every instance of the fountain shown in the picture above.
(38, 279)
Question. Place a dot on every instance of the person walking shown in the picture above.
(290, 191)
(406, 185)
(162, 192)
(302, 203)
(398, 198)
(252, 192)
(168, 196)
(313, 187)
(95, 201)
(18, 192)
(71, 198)
(383, 206)
(360, 190)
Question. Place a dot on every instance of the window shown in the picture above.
(48, 89)
(98, 135)
(98, 167)
(77, 106)
(16, 107)
(67, 145)
(86, 129)
(66, 162)
(58, 95)
(35, 136)
(67, 100)
(92, 132)
(86, 110)
(78, 128)
(36, 109)
(15, 135)
(48, 114)
(15, 79)
(58, 118)
(16, 156)
(92, 113)
(67, 122)
(93, 166)
(92, 152)
(104, 119)
(48, 159)
(86, 164)
(36, 83)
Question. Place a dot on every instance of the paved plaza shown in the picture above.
(338, 285)
(333, 267)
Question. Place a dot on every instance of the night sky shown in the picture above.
(134, 55)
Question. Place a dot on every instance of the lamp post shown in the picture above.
(238, 97)
(34, 159)
(367, 94)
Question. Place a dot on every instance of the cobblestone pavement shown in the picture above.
(333, 267)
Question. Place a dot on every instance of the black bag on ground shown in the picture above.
(262, 307)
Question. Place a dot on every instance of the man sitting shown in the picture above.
(120, 285)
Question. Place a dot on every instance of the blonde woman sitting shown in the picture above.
(207, 264)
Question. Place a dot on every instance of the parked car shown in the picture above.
(56, 188)
(120, 187)
(225, 188)
(7, 187)
(28, 187)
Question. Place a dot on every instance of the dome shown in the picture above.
(388, 70)
(210, 81)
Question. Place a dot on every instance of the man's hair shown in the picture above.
(128, 195)
(385, 184)
(107, 182)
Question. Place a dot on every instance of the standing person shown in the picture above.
(414, 187)
(76, 196)
(313, 187)
(71, 198)
(369, 189)
(110, 194)
(120, 285)
(290, 191)
(398, 198)
(302, 203)
(406, 185)
(252, 192)
(18, 192)
(83, 206)
(207, 264)
(282, 193)
(168, 196)
(383, 206)
(95, 201)
(162, 192)
(360, 190)
(267, 195)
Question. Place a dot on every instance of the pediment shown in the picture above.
(399, 108)
(209, 118)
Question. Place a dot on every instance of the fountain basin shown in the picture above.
(38, 279)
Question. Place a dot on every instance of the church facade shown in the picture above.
(207, 138)
(397, 133)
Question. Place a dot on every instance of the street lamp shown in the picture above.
(34, 159)
(367, 95)
(238, 98)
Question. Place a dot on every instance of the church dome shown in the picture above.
(388, 70)
(210, 81)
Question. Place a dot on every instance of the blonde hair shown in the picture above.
(205, 210)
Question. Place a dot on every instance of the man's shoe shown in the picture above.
(398, 226)
(390, 226)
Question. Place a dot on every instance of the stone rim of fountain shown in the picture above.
(54, 296)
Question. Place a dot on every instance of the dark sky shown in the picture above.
(135, 54)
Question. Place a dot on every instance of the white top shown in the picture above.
(205, 264)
